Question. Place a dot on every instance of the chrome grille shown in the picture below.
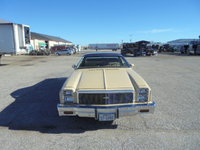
(105, 98)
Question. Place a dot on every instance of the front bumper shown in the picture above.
(94, 111)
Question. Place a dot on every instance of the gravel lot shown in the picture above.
(29, 89)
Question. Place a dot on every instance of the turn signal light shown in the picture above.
(144, 110)
(68, 112)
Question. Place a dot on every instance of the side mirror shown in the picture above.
(74, 66)
(132, 65)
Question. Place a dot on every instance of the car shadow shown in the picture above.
(35, 109)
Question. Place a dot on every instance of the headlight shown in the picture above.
(68, 93)
(68, 96)
(143, 95)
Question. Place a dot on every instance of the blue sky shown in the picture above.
(106, 21)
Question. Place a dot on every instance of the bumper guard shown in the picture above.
(94, 111)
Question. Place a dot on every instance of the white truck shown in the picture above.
(14, 38)
(112, 46)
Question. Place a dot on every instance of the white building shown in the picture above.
(17, 39)
(14, 38)
(43, 41)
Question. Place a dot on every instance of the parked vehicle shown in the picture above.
(151, 50)
(111, 46)
(194, 48)
(166, 48)
(74, 48)
(119, 90)
(65, 52)
(136, 49)
(58, 48)
(39, 52)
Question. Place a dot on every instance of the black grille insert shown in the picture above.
(102, 98)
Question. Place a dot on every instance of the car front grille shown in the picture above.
(105, 98)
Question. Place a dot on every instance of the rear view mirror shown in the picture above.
(74, 66)
(132, 65)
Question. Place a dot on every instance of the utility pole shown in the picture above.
(131, 37)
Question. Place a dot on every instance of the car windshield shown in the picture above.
(103, 62)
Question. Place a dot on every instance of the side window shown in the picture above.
(27, 35)
(123, 63)
(80, 63)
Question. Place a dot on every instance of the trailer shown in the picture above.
(111, 46)
(136, 49)
(191, 49)
(14, 38)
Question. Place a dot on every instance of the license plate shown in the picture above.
(106, 117)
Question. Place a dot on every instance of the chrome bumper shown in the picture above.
(94, 111)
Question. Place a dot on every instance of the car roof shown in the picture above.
(101, 54)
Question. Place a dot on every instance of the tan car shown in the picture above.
(104, 86)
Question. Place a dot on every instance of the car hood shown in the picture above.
(99, 79)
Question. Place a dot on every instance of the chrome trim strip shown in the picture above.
(85, 112)
(127, 110)
(153, 104)
(77, 94)
(107, 112)
(104, 77)
(105, 91)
